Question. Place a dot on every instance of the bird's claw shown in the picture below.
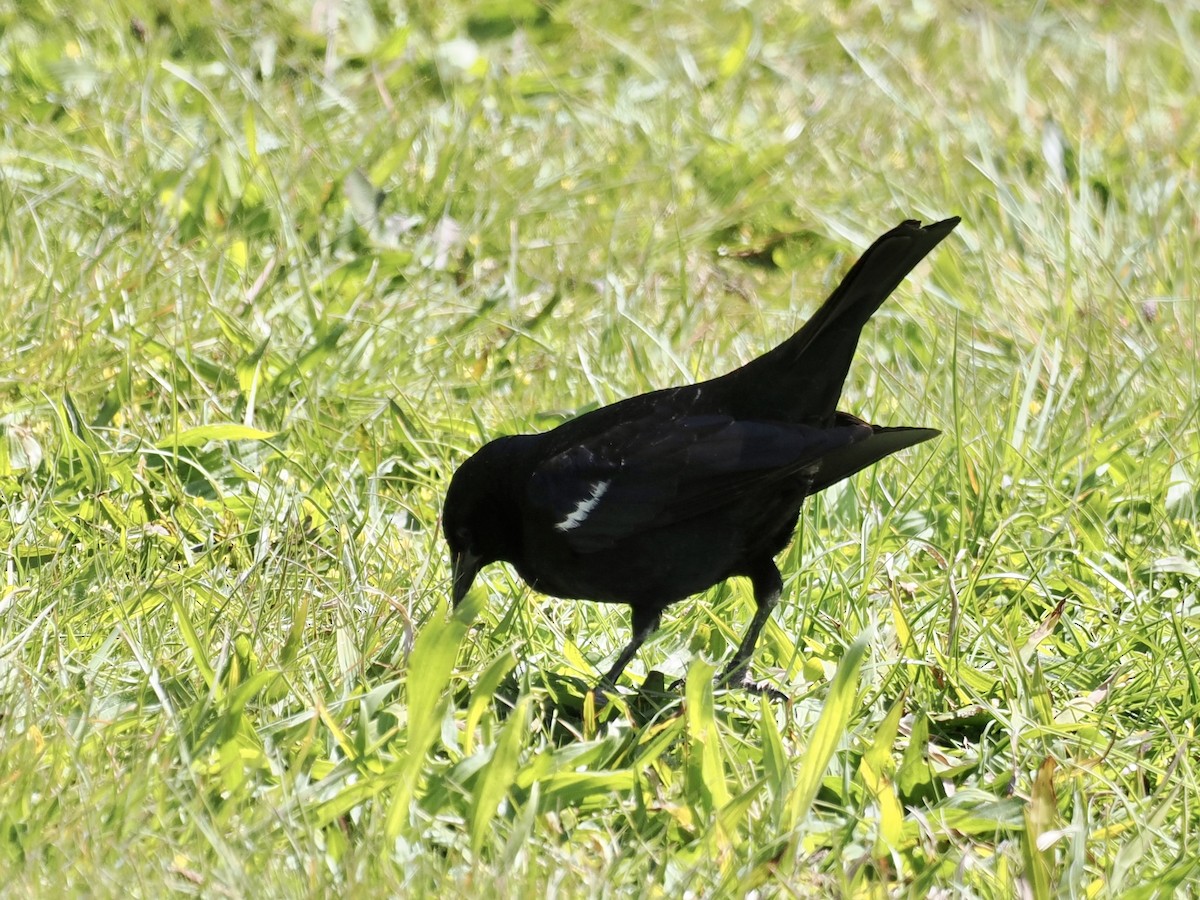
(763, 689)
(740, 678)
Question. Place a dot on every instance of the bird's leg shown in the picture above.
(645, 623)
(767, 586)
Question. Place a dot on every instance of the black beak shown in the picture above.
(465, 566)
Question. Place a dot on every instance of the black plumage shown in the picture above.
(660, 496)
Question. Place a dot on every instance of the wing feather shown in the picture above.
(645, 475)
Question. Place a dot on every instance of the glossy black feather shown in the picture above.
(656, 474)
(662, 495)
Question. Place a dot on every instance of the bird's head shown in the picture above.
(481, 517)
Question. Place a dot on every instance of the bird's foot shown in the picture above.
(764, 689)
(740, 678)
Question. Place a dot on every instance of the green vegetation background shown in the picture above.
(269, 271)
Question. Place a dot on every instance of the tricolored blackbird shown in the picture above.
(660, 496)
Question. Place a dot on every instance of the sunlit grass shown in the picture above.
(268, 274)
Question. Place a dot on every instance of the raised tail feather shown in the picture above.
(806, 372)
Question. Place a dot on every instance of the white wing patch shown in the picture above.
(584, 507)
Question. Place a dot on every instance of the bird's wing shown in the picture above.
(652, 473)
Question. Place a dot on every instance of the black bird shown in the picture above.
(663, 495)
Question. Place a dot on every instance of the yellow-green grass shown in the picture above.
(268, 273)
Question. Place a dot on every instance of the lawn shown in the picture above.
(270, 271)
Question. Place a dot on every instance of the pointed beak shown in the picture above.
(464, 566)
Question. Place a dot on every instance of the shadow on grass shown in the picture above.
(571, 709)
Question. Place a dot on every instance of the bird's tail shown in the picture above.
(805, 373)
(854, 457)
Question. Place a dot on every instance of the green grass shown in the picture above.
(268, 274)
